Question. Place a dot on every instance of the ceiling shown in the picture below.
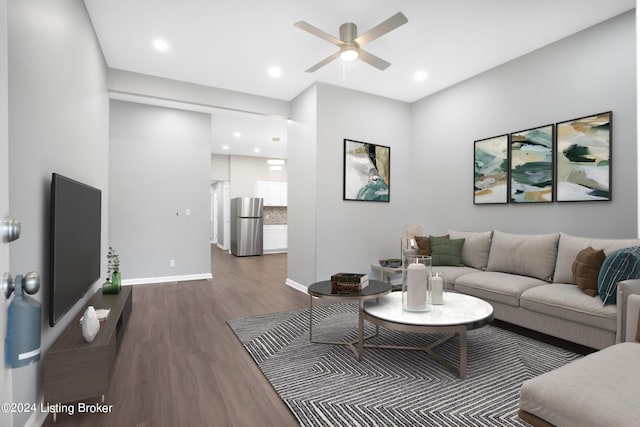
(233, 44)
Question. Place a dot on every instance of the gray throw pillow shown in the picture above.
(475, 251)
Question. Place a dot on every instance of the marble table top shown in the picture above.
(458, 309)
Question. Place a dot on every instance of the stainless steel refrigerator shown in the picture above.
(246, 226)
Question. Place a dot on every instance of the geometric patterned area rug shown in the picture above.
(325, 385)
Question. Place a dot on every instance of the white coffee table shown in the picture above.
(459, 314)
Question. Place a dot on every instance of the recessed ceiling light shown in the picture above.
(160, 45)
(275, 168)
(225, 147)
(275, 72)
(237, 135)
(420, 76)
(275, 139)
(275, 162)
(256, 150)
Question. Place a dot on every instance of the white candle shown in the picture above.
(437, 286)
(416, 286)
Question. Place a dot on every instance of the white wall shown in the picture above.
(58, 115)
(128, 85)
(219, 167)
(245, 171)
(590, 72)
(159, 164)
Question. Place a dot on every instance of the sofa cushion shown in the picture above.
(569, 246)
(475, 251)
(598, 390)
(452, 273)
(525, 254)
(568, 302)
(586, 269)
(622, 264)
(446, 251)
(496, 286)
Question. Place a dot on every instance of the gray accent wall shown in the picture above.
(432, 153)
(590, 72)
(58, 122)
(159, 166)
(6, 418)
(303, 188)
(326, 233)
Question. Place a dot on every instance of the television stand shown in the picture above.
(75, 369)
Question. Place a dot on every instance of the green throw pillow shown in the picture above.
(619, 265)
(445, 251)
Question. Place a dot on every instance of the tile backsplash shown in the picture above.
(274, 215)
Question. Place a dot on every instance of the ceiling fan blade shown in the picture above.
(323, 62)
(382, 28)
(318, 33)
(373, 60)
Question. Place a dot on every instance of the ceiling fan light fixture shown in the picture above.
(348, 54)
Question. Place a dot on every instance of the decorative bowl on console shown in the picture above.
(394, 262)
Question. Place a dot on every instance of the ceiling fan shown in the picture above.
(350, 43)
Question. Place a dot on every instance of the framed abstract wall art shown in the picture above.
(583, 150)
(491, 169)
(531, 165)
(366, 172)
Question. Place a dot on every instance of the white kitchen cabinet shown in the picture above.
(274, 193)
(275, 238)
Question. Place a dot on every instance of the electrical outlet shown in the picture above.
(172, 263)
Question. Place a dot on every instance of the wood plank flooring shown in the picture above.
(181, 365)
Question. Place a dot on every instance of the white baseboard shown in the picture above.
(167, 279)
(38, 417)
(295, 285)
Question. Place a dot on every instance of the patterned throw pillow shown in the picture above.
(622, 264)
(446, 252)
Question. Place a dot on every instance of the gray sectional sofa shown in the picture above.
(597, 390)
(528, 280)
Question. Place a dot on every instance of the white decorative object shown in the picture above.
(415, 274)
(90, 324)
(437, 288)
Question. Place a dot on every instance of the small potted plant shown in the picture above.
(114, 280)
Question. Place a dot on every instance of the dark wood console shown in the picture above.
(75, 369)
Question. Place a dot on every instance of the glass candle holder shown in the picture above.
(416, 271)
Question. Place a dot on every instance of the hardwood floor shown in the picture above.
(181, 365)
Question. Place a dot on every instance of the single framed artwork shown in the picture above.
(366, 172)
(583, 167)
(491, 170)
(531, 157)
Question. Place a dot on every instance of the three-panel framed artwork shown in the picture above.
(565, 162)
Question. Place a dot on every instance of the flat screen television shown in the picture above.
(75, 243)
